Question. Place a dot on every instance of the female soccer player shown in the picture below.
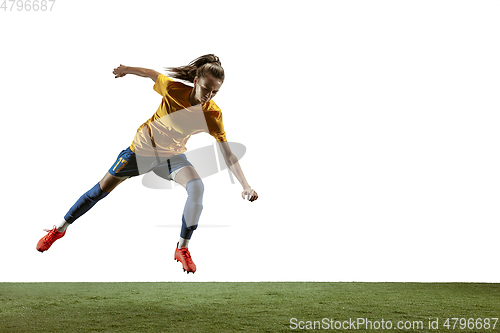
(159, 145)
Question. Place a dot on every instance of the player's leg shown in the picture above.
(90, 198)
(82, 205)
(124, 167)
(184, 175)
(190, 180)
(109, 182)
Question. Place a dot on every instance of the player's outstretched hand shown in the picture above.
(251, 194)
(120, 71)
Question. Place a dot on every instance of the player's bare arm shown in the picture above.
(233, 165)
(144, 72)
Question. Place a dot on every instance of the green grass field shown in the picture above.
(246, 307)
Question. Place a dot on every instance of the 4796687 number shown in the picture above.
(470, 323)
(27, 5)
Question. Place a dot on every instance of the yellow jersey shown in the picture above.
(167, 131)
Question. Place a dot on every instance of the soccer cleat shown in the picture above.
(46, 241)
(184, 257)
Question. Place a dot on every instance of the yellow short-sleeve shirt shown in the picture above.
(175, 120)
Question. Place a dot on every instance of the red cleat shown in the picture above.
(184, 257)
(46, 242)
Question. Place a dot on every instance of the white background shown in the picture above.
(371, 128)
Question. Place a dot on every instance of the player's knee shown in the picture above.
(96, 193)
(195, 189)
(84, 203)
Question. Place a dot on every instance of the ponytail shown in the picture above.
(207, 64)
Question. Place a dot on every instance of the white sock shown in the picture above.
(183, 243)
(63, 226)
